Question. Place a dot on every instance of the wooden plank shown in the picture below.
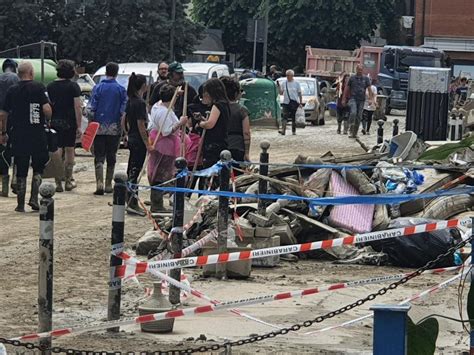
(312, 221)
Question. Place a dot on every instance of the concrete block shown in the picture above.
(258, 220)
(286, 235)
(269, 261)
(235, 269)
(264, 232)
(248, 231)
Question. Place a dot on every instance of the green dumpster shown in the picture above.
(262, 100)
(49, 68)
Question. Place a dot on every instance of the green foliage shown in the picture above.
(102, 30)
(338, 24)
(421, 338)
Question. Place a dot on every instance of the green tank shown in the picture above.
(261, 98)
(49, 68)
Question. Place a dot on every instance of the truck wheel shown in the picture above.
(447, 207)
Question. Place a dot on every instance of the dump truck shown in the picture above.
(389, 64)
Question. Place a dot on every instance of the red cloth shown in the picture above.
(162, 158)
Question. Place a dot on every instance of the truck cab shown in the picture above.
(394, 71)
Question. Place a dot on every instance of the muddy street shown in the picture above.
(81, 272)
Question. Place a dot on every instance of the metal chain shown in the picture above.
(257, 338)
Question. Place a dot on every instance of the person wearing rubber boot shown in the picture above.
(164, 129)
(64, 95)
(7, 80)
(355, 92)
(27, 108)
(108, 102)
(136, 119)
(342, 110)
(292, 99)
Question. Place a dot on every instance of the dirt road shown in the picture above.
(82, 245)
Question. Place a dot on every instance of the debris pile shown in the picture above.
(287, 222)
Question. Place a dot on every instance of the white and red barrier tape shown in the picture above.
(222, 306)
(140, 268)
(425, 293)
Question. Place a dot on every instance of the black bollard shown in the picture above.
(380, 131)
(262, 183)
(395, 127)
(223, 213)
(177, 235)
(118, 226)
(45, 269)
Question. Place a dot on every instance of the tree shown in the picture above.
(99, 31)
(339, 24)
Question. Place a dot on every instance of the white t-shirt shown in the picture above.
(157, 120)
(293, 92)
(367, 106)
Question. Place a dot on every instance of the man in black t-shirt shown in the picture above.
(27, 108)
(65, 97)
(176, 78)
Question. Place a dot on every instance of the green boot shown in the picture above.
(20, 194)
(5, 182)
(35, 184)
(109, 177)
(99, 178)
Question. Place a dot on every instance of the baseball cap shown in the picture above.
(175, 67)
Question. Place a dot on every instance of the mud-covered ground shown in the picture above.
(81, 250)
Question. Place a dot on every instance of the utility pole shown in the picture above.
(266, 10)
(173, 19)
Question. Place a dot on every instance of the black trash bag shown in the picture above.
(416, 250)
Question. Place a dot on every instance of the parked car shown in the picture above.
(313, 111)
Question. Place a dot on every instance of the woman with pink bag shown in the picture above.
(166, 148)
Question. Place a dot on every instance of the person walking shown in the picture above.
(239, 123)
(65, 98)
(136, 120)
(108, 102)
(355, 92)
(7, 79)
(369, 108)
(342, 111)
(292, 100)
(27, 108)
(217, 126)
(165, 146)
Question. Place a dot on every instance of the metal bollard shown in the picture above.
(380, 131)
(390, 329)
(395, 127)
(45, 268)
(262, 183)
(118, 226)
(177, 235)
(223, 213)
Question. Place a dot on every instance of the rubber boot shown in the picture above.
(156, 198)
(109, 178)
(339, 125)
(346, 126)
(283, 127)
(20, 194)
(69, 185)
(5, 182)
(59, 184)
(35, 184)
(134, 208)
(99, 179)
(13, 184)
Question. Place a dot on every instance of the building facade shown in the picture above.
(447, 25)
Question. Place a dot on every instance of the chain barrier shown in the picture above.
(253, 339)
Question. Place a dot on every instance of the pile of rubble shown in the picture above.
(287, 222)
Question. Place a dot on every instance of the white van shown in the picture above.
(126, 69)
(195, 73)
